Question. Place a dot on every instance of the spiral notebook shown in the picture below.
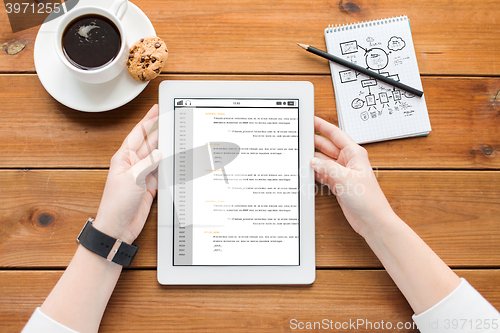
(369, 110)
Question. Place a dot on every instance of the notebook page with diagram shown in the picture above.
(369, 110)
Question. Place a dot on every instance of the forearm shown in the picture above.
(423, 278)
(80, 297)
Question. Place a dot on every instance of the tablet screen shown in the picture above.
(236, 182)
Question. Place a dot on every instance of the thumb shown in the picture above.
(328, 168)
(145, 166)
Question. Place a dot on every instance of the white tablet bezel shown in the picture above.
(304, 273)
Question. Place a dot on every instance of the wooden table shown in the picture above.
(446, 186)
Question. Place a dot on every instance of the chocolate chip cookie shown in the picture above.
(147, 58)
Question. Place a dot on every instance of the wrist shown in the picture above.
(377, 223)
(106, 246)
(93, 259)
(113, 229)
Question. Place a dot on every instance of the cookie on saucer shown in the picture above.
(147, 58)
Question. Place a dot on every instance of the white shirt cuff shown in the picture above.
(463, 310)
(41, 323)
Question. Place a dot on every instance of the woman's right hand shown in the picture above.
(343, 165)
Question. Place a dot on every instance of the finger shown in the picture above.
(326, 146)
(322, 156)
(145, 166)
(339, 138)
(155, 173)
(152, 184)
(150, 143)
(136, 137)
(322, 179)
(327, 167)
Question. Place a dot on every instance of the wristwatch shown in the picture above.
(112, 249)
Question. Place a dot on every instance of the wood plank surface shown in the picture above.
(235, 36)
(53, 164)
(456, 212)
(38, 132)
(140, 304)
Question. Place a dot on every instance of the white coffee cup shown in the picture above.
(102, 74)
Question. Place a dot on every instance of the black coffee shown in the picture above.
(91, 41)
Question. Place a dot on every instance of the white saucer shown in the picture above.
(76, 94)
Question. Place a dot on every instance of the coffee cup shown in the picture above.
(90, 41)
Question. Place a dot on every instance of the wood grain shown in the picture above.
(235, 36)
(38, 132)
(140, 304)
(456, 212)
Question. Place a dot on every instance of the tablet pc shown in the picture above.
(236, 191)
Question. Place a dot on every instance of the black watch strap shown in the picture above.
(106, 246)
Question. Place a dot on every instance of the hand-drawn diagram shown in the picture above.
(375, 99)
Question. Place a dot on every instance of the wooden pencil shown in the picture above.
(363, 70)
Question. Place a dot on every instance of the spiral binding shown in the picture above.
(364, 24)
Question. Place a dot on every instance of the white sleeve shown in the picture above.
(464, 310)
(41, 323)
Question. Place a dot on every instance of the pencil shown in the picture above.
(363, 70)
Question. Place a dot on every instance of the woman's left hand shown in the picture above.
(131, 184)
